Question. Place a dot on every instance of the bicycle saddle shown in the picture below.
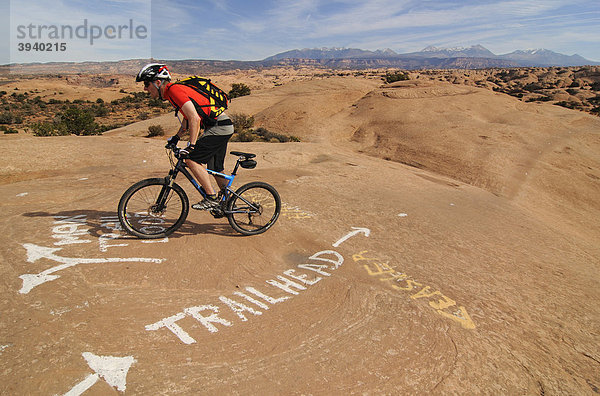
(242, 154)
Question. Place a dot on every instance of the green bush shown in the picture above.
(79, 121)
(19, 97)
(104, 128)
(273, 137)
(8, 130)
(262, 135)
(239, 89)
(155, 130)
(241, 122)
(568, 105)
(49, 129)
(152, 102)
(6, 118)
(243, 132)
(396, 76)
(532, 87)
(244, 136)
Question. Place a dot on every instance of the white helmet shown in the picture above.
(153, 71)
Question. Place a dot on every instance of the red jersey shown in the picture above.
(178, 94)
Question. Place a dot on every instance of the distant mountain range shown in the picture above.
(475, 56)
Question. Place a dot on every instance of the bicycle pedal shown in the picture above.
(217, 214)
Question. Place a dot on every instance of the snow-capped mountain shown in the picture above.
(475, 51)
(476, 56)
(331, 53)
(546, 57)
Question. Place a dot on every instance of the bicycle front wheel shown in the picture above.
(253, 208)
(152, 209)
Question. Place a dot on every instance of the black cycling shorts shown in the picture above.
(211, 150)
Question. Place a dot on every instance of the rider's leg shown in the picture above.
(210, 150)
(217, 161)
(201, 175)
(221, 182)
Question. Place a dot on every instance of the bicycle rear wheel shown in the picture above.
(153, 209)
(254, 208)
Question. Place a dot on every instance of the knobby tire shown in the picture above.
(140, 215)
(254, 208)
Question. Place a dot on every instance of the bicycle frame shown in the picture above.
(180, 166)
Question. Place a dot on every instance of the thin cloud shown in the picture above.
(237, 29)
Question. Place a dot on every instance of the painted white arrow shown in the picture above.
(111, 369)
(357, 230)
(35, 252)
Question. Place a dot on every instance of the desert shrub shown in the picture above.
(143, 115)
(241, 122)
(19, 97)
(158, 103)
(99, 100)
(239, 89)
(155, 130)
(595, 100)
(262, 135)
(244, 136)
(396, 76)
(568, 105)
(6, 118)
(8, 130)
(103, 128)
(273, 137)
(595, 86)
(243, 132)
(79, 121)
(37, 101)
(540, 99)
(531, 87)
(100, 110)
(49, 129)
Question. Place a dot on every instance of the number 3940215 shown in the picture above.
(42, 46)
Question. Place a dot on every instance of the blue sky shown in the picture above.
(253, 30)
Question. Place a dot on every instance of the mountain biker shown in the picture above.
(211, 147)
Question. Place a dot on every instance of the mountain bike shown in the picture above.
(157, 207)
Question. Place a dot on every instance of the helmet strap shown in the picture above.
(158, 88)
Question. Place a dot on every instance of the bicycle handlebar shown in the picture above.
(174, 148)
